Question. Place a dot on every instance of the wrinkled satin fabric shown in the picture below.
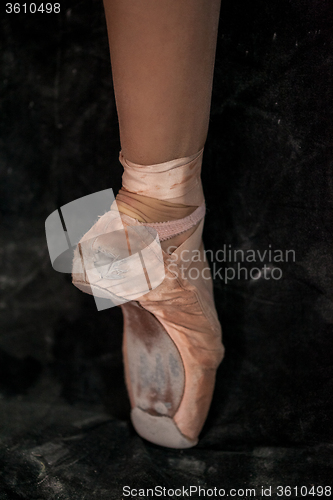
(161, 192)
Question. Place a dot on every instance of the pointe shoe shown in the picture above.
(172, 336)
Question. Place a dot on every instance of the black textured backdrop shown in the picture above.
(267, 175)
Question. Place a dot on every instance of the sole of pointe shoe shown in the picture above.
(155, 378)
(160, 430)
(154, 374)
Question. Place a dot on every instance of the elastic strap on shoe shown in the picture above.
(167, 230)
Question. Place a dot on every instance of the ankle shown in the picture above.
(162, 192)
(146, 209)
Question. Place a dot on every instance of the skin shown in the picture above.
(162, 56)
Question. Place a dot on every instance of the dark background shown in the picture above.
(65, 431)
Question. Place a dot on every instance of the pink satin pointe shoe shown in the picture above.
(172, 336)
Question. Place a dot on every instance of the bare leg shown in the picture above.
(162, 56)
